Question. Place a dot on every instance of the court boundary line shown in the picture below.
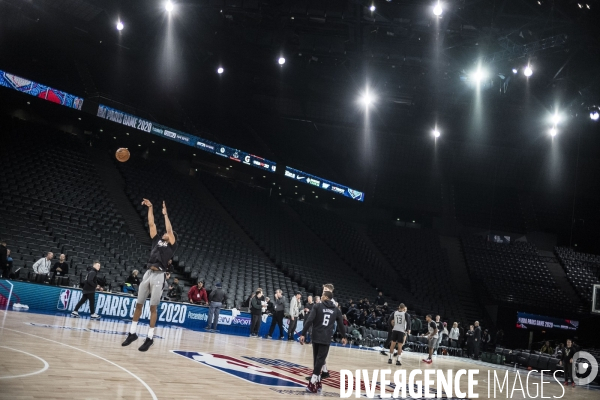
(94, 355)
(46, 365)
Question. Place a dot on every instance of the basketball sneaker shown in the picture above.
(95, 316)
(398, 362)
(573, 384)
(427, 361)
(312, 387)
(75, 314)
(324, 375)
(131, 337)
(146, 345)
(389, 360)
(320, 387)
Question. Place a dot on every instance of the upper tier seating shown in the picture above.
(423, 265)
(295, 250)
(209, 249)
(53, 200)
(512, 273)
(583, 270)
(350, 245)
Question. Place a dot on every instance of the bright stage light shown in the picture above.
(594, 115)
(479, 75)
(367, 99)
(169, 6)
(281, 61)
(437, 10)
(220, 70)
(515, 70)
(120, 26)
(528, 71)
(436, 134)
(556, 119)
(553, 132)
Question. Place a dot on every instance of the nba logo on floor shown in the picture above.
(63, 299)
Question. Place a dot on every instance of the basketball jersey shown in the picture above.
(162, 252)
(432, 326)
(400, 321)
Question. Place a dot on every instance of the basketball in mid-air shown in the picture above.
(122, 154)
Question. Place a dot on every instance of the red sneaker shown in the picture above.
(566, 383)
(311, 387)
(320, 387)
(573, 384)
(427, 361)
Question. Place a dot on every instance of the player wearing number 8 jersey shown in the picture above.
(401, 322)
(322, 319)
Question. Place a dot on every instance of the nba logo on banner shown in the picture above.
(63, 299)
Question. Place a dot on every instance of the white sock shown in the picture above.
(390, 356)
(133, 328)
(150, 333)
(314, 378)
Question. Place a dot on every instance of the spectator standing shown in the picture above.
(485, 340)
(547, 349)
(454, 334)
(175, 291)
(216, 299)
(470, 335)
(4, 259)
(379, 300)
(477, 340)
(440, 329)
(566, 361)
(9, 264)
(308, 306)
(277, 318)
(317, 299)
(42, 266)
(197, 294)
(461, 336)
(256, 309)
(61, 268)
(295, 305)
(90, 285)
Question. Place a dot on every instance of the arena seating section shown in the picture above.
(423, 265)
(209, 250)
(351, 247)
(53, 200)
(583, 270)
(511, 273)
(301, 256)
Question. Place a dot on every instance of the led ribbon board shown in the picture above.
(141, 124)
(531, 321)
(40, 91)
(303, 177)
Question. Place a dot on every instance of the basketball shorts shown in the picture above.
(432, 342)
(398, 336)
(152, 285)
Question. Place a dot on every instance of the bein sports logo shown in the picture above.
(170, 134)
(63, 299)
(242, 369)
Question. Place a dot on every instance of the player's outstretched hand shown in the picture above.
(301, 340)
(164, 208)
(146, 203)
(344, 341)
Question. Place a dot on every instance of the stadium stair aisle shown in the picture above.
(461, 277)
(115, 187)
(558, 273)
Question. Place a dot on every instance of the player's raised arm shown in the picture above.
(168, 225)
(151, 224)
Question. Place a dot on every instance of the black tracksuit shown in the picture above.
(566, 358)
(256, 312)
(277, 318)
(89, 290)
(322, 319)
(476, 342)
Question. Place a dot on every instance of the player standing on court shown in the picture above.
(163, 248)
(400, 321)
(432, 337)
(322, 319)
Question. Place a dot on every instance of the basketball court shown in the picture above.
(57, 356)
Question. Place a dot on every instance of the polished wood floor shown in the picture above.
(59, 357)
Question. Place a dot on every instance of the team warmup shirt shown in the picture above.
(162, 252)
(401, 321)
(322, 318)
(432, 326)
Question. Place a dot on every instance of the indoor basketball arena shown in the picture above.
(269, 199)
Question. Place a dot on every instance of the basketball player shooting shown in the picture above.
(163, 248)
(322, 319)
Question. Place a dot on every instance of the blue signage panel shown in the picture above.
(221, 150)
(531, 321)
(342, 190)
